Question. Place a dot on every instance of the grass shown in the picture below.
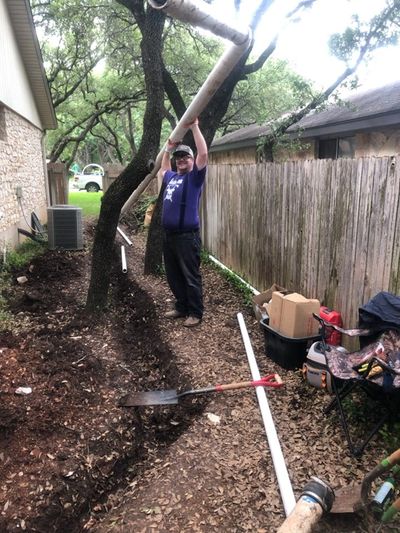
(88, 201)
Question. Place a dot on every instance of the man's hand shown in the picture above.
(194, 123)
(171, 145)
(201, 146)
(169, 148)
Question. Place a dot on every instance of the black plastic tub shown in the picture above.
(288, 352)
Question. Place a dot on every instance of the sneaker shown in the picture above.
(174, 314)
(192, 321)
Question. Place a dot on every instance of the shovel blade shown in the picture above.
(347, 500)
(165, 397)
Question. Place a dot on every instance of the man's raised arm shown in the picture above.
(201, 145)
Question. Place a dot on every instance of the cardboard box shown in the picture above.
(275, 311)
(261, 301)
(291, 315)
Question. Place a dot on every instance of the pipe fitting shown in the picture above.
(317, 497)
(321, 492)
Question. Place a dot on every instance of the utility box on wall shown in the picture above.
(64, 224)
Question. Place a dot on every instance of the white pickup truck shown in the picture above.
(90, 179)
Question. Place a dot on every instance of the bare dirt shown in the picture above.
(72, 460)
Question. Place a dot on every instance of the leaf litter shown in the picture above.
(88, 465)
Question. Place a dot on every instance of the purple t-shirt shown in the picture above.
(181, 199)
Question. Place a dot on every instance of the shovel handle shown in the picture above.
(393, 459)
(383, 466)
(273, 380)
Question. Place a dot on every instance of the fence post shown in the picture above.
(58, 183)
(111, 173)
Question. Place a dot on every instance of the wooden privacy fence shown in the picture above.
(327, 229)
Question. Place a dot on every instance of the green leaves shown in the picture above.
(366, 36)
(266, 95)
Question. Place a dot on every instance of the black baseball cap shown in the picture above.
(182, 149)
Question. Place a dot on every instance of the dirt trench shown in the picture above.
(68, 444)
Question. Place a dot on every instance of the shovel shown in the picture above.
(167, 397)
(352, 498)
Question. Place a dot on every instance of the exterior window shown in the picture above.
(3, 132)
(346, 147)
(335, 148)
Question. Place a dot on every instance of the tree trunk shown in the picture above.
(151, 23)
(153, 256)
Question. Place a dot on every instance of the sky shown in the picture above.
(305, 44)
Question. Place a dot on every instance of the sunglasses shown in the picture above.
(182, 156)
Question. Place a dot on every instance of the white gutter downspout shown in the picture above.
(198, 13)
(285, 487)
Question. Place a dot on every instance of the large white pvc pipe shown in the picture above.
(123, 260)
(199, 13)
(125, 237)
(285, 487)
(214, 80)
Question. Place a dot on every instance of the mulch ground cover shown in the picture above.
(72, 460)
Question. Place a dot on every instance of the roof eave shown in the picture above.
(384, 120)
(235, 145)
(22, 22)
(364, 124)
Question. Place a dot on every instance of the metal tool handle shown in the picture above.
(393, 459)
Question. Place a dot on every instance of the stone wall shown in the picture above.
(378, 143)
(22, 169)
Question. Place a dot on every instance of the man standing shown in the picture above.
(180, 219)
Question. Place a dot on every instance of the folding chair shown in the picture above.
(374, 369)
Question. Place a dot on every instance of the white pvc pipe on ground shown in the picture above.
(198, 15)
(285, 487)
(123, 260)
(124, 236)
(221, 265)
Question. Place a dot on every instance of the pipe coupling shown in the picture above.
(321, 492)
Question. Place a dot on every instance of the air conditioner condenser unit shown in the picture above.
(64, 226)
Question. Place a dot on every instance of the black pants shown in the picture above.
(182, 265)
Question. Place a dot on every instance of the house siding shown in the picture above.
(307, 152)
(15, 89)
(378, 143)
(232, 157)
(21, 165)
(243, 156)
